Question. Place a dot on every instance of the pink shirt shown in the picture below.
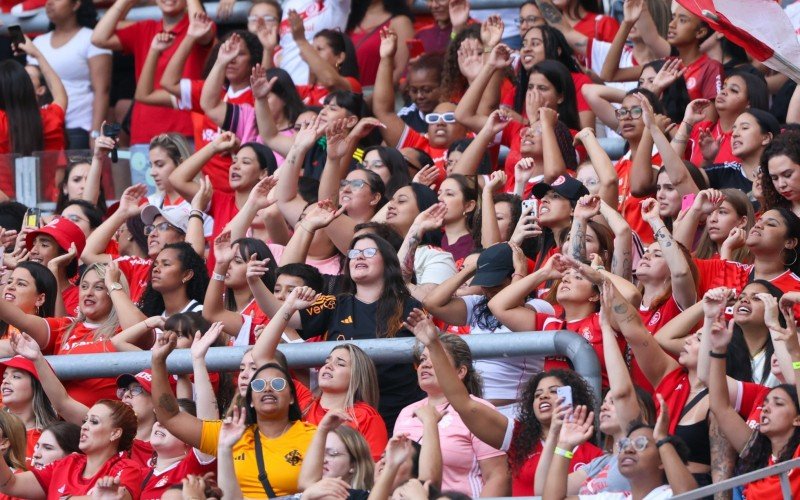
(461, 450)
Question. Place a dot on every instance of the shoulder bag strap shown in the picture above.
(262, 471)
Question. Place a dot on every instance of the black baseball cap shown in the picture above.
(568, 187)
(495, 264)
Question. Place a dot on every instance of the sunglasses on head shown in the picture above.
(367, 252)
(260, 384)
(433, 118)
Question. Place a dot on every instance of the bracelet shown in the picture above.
(599, 268)
(453, 35)
(662, 442)
(196, 211)
(217, 277)
(196, 216)
(679, 141)
(563, 453)
(720, 355)
(487, 49)
(796, 365)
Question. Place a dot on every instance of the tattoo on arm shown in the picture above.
(723, 456)
(169, 404)
(549, 11)
(664, 237)
(577, 240)
(407, 266)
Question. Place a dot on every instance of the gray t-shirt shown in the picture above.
(603, 476)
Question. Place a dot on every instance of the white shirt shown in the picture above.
(660, 493)
(317, 15)
(71, 64)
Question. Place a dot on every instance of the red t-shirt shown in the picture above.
(148, 121)
(725, 153)
(413, 139)
(257, 318)
(142, 453)
(653, 321)
(522, 481)
(137, 272)
(588, 328)
(71, 296)
(81, 341)
(159, 482)
(770, 487)
(314, 95)
(366, 420)
(64, 477)
(598, 26)
(32, 437)
(581, 79)
(703, 78)
(629, 205)
(716, 272)
(206, 131)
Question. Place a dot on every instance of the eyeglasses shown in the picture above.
(373, 165)
(75, 218)
(134, 391)
(638, 443)
(267, 19)
(529, 20)
(634, 112)
(354, 184)
(433, 118)
(368, 253)
(260, 385)
(159, 227)
(335, 454)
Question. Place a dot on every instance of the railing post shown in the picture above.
(26, 180)
(786, 488)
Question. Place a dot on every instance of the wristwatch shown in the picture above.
(114, 287)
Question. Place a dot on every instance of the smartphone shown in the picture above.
(17, 37)
(112, 130)
(564, 395)
(688, 201)
(533, 202)
(33, 217)
(415, 48)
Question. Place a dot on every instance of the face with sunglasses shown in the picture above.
(443, 128)
(365, 262)
(638, 454)
(161, 233)
(356, 194)
(270, 392)
(629, 116)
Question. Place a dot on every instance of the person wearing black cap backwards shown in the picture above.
(493, 271)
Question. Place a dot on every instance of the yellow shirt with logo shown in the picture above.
(283, 456)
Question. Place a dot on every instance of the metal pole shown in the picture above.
(786, 488)
(500, 345)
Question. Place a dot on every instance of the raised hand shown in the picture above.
(492, 31)
(519, 259)
(499, 57)
(707, 201)
(422, 326)
(632, 10)
(301, 297)
(335, 135)
(587, 207)
(321, 215)
(108, 488)
(267, 34)
(103, 145)
(582, 136)
(202, 199)
(327, 488)
(24, 345)
(427, 175)
(470, 58)
(259, 195)
(555, 267)
(459, 12)
(709, 147)
(130, 199)
(695, 111)
(650, 211)
(232, 429)
(259, 83)
(309, 133)
(223, 251)
(577, 428)
(432, 218)
(200, 25)
(162, 41)
(715, 301)
(548, 116)
(229, 49)
(735, 240)
(534, 101)
(523, 170)
(428, 414)
(388, 46)
(62, 261)
(225, 8)
(194, 486)
(164, 345)
(27, 48)
(413, 488)
(527, 227)
(256, 268)
(667, 75)
(585, 270)
(333, 419)
(398, 449)
(296, 25)
(113, 274)
(497, 180)
(648, 116)
(364, 127)
(661, 430)
(497, 121)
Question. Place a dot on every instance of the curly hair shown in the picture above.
(757, 455)
(454, 84)
(785, 144)
(152, 302)
(529, 432)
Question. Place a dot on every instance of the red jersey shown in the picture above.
(206, 131)
(314, 95)
(156, 483)
(629, 205)
(522, 481)
(71, 295)
(770, 487)
(142, 453)
(716, 272)
(148, 121)
(81, 341)
(366, 420)
(413, 139)
(581, 79)
(137, 272)
(32, 437)
(703, 78)
(64, 478)
(725, 153)
(598, 26)
(257, 318)
(653, 321)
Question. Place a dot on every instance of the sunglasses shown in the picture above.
(134, 391)
(159, 227)
(638, 443)
(634, 112)
(433, 118)
(367, 252)
(354, 184)
(260, 385)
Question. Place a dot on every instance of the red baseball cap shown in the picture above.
(20, 363)
(64, 231)
(143, 378)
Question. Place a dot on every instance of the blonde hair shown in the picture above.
(360, 457)
(110, 325)
(14, 430)
(363, 377)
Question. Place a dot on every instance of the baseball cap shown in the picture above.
(566, 186)
(495, 264)
(175, 215)
(143, 378)
(20, 363)
(64, 232)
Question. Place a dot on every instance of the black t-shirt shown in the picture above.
(344, 317)
(413, 117)
(728, 175)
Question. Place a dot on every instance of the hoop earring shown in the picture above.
(793, 260)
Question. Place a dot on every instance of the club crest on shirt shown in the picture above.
(293, 457)
(655, 318)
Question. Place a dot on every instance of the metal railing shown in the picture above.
(499, 345)
(782, 470)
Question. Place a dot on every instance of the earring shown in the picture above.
(785, 264)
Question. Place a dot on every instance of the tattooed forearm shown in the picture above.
(549, 11)
(169, 404)
(406, 254)
(723, 456)
(664, 237)
(577, 240)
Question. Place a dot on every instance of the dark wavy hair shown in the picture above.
(341, 44)
(294, 408)
(86, 15)
(248, 247)
(61, 201)
(44, 282)
(18, 100)
(559, 77)
(309, 274)
(592, 6)
(135, 226)
(389, 318)
(254, 48)
(460, 353)
(675, 98)
(398, 169)
(92, 213)
(528, 431)
(352, 102)
(516, 212)
(785, 144)
(469, 192)
(393, 7)
(758, 454)
(739, 364)
(152, 303)
(454, 84)
(285, 90)
(67, 435)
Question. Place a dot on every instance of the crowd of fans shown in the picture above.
(343, 170)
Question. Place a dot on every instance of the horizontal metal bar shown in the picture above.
(740, 480)
(498, 345)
